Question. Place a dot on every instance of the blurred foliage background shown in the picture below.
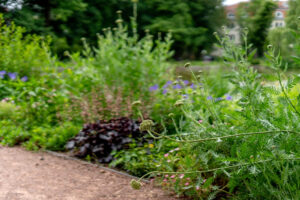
(192, 22)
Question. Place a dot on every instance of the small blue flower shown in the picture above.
(228, 97)
(2, 73)
(153, 88)
(165, 91)
(186, 82)
(219, 99)
(177, 86)
(24, 78)
(167, 84)
(12, 76)
(193, 86)
(209, 98)
(185, 96)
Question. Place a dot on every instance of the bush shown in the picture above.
(119, 70)
(26, 55)
(8, 110)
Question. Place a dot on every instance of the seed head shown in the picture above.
(187, 65)
(136, 185)
(175, 82)
(119, 12)
(136, 103)
(179, 103)
(270, 46)
(119, 21)
(146, 125)
(171, 114)
(66, 53)
(134, 1)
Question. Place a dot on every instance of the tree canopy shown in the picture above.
(192, 22)
(292, 19)
(257, 16)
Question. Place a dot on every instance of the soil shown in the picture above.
(26, 175)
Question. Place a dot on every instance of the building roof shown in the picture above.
(282, 6)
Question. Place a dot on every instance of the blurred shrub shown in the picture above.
(8, 110)
(118, 71)
(283, 41)
(26, 55)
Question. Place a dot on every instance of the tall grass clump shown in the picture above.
(242, 146)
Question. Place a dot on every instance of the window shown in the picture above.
(230, 15)
(231, 25)
(279, 24)
(278, 14)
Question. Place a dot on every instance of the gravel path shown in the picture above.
(28, 175)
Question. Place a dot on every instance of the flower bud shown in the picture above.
(269, 46)
(119, 21)
(136, 185)
(179, 103)
(136, 103)
(171, 114)
(146, 125)
(187, 65)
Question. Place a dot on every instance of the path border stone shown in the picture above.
(61, 155)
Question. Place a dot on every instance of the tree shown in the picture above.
(293, 14)
(191, 21)
(257, 16)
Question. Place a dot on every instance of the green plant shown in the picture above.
(27, 55)
(8, 110)
(247, 151)
(121, 68)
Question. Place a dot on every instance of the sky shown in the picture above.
(229, 2)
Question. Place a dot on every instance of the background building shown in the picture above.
(234, 28)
